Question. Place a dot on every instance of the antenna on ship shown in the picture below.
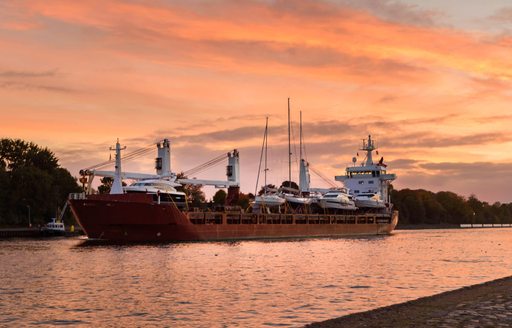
(369, 147)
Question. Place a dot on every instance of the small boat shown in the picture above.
(53, 228)
(270, 196)
(369, 200)
(337, 199)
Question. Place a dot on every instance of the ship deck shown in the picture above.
(253, 218)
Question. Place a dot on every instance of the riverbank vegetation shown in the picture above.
(32, 183)
(445, 207)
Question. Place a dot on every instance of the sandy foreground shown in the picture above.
(484, 305)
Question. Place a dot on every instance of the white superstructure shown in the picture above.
(368, 178)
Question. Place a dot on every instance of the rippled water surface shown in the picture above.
(244, 284)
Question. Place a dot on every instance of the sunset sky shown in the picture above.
(431, 81)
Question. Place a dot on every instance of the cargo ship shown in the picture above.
(152, 209)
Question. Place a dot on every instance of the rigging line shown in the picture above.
(142, 149)
(304, 146)
(261, 158)
(322, 176)
(206, 164)
(205, 168)
(294, 138)
(126, 157)
(102, 164)
(139, 151)
(136, 155)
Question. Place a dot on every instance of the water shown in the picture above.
(244, 284)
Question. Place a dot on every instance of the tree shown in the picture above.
(106, 185)
(220, 197)
(458, 210)
(15, 153)
(267, 187)
(194, 193)
(289, 184)
(31, 177)
(244, 200)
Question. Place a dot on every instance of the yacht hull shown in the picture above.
(332, 204)
(369, 203)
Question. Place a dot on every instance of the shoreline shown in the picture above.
(488, 304)
(426, 226)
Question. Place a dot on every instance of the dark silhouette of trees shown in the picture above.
(269, 187)
(30, 177)
(425, 207)
(290, 184)
(220, 197)
(194, 193)
(244, 200)
(106, 185)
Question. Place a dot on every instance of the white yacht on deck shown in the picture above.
(338, 199)
(369, 182)
(369, 200)
(269, 200)
(162, 190)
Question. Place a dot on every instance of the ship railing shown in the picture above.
(277, 218)
(77, 195)
(301, 218)
(222, 218)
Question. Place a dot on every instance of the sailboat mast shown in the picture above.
(289, 149)
(263, 152)
(265, 140)
(300, 153)
(300, 137)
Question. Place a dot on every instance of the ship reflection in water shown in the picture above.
(245, 284)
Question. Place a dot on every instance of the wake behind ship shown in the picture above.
(153, 210)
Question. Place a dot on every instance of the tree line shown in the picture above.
(32, 183)
(445, 207)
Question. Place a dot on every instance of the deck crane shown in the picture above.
(163, 169)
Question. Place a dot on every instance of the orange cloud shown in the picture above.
(211, 72)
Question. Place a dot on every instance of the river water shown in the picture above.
(63, 281)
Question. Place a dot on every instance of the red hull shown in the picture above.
(136, 218)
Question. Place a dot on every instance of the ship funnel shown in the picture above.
(163, 161)
(233, 168)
